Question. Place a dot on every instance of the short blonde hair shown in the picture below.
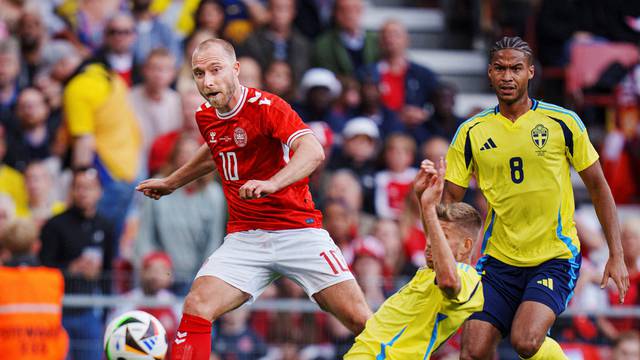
(461, 214)
(19, 236)
(224, 44)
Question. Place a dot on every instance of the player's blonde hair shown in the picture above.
(461, 214)
(224, 44)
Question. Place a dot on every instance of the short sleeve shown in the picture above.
(458, 172)
(584, 154)
(469, 283)
(283, 123)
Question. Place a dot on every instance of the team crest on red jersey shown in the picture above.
(240, 136)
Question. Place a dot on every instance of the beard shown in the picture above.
(29, 44)
(221, 99)
(218, 100)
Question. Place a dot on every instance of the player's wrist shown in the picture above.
(275, 184)
(429, 210)
(616, 255)
(171, 183)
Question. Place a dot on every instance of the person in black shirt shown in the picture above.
(444, 122)
(34, 135)
(80, 243)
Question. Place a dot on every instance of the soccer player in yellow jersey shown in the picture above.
(520, 152)
(412, 323)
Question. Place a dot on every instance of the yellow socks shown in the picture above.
(550, 350)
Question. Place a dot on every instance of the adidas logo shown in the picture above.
(546, 282)
(180, 337)
(488, 145)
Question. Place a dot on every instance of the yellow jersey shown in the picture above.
(412, 323)
(523, 170)
(12, 184)
(95, 103)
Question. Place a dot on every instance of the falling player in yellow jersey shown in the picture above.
(412, 323)
(520, 152)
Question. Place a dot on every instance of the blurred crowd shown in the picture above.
(96, 95)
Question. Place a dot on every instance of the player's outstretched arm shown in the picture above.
(606, 210)
(200, 164)
(429, 186)
(308, 155)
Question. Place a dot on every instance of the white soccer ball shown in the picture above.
(135, 335)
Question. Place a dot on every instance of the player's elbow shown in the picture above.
(320, 156)
(311, 148)
(317, 153)
(449, 284)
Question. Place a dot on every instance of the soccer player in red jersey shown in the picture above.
(264, 154)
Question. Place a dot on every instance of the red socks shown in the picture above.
(193, 339)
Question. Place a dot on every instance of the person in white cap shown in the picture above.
(319, 89)
(359, 151)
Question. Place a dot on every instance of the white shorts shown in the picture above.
(251, 260)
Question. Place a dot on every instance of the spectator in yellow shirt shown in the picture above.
(105, 134)
(11, 181)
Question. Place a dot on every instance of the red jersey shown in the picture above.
(391, 87)
(252, 142)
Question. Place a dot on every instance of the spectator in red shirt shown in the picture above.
(406, 87)
(394, 183)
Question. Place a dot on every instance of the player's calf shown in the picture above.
(208, 299)
(479, 340)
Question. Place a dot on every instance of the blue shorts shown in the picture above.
(506, 287)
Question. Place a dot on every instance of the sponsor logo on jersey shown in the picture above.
(489, 144)
(240, 137)
(212, 137)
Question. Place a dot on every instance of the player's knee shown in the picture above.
(526, 346)
(475, 353)
(357, 319)
(196, 304)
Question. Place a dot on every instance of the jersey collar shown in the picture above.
(534, 106)
(236, 109)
